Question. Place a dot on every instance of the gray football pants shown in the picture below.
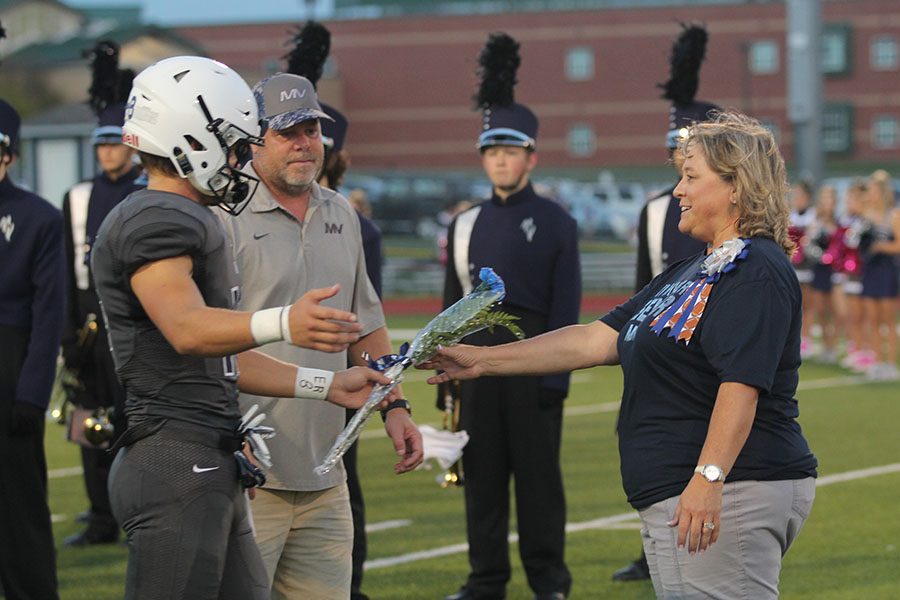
(187, 520)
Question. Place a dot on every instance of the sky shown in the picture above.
(189, 12)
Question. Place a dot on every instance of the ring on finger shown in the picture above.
(709, 526)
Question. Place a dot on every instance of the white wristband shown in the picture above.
(265, 325)
(286, 324)
(312, 383)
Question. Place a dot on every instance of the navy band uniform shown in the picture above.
(515, 423)
(31, 315)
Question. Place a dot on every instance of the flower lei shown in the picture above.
(683, 315)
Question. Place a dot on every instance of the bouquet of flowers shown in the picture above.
(470, 314)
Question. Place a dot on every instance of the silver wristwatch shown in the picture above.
(711, 473)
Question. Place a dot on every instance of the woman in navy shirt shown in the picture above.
(711, 452)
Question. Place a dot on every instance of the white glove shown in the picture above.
(445, 447)
(256, 435)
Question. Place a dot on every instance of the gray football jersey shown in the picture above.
(159, 382)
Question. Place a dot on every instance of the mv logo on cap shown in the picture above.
(285, 100)
(292, 94)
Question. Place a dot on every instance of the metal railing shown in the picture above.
(611, 272)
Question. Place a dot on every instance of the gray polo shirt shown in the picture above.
(280, 259)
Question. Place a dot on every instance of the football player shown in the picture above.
(167, 281)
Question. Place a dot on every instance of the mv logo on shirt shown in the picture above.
(333, 227)
(529, 228)
(7, 226)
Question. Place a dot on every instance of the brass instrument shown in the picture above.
(98, 429)
(68, 379)
(451, 394)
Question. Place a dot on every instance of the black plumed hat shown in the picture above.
(312, 43)
(109, 90)
(688, 52)
(10, 122)
(504, 122)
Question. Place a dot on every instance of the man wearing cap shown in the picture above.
(514, 423)
(85, 206)
(303, 524)
(31, 316)
(311, 46)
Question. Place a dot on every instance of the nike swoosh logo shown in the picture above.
(198, 469)
(258, 236)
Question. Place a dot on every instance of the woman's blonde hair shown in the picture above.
(824, 211)
(883, 186)
(744, 153)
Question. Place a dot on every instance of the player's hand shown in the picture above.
(248, 452)
(319, 327)
(455, 362)
(351, 387)
(406, 439)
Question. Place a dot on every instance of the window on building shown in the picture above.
(581, 141)
(763, 57)
(837, 128)
(883, 54)
(580, 64)
(886, 132)
(836, 49)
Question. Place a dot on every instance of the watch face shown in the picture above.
(712, 473)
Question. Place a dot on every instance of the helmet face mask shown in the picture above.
(232, 187)
(202, 116)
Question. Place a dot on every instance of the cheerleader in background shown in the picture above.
(826, 306)
(801, 218)
(860, 356)
(880, 274)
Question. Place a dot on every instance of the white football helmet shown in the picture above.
(196, 112)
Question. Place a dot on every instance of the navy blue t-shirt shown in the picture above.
(749, 333)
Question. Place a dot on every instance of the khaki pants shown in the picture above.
(306, 540)
(760, 520)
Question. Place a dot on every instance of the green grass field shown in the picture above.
(849, 549)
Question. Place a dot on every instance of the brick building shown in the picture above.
(406, 82)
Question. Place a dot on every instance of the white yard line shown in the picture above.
(619, 521)
(858, 474)
(385, 525)
(821, 384)
(64, 472)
